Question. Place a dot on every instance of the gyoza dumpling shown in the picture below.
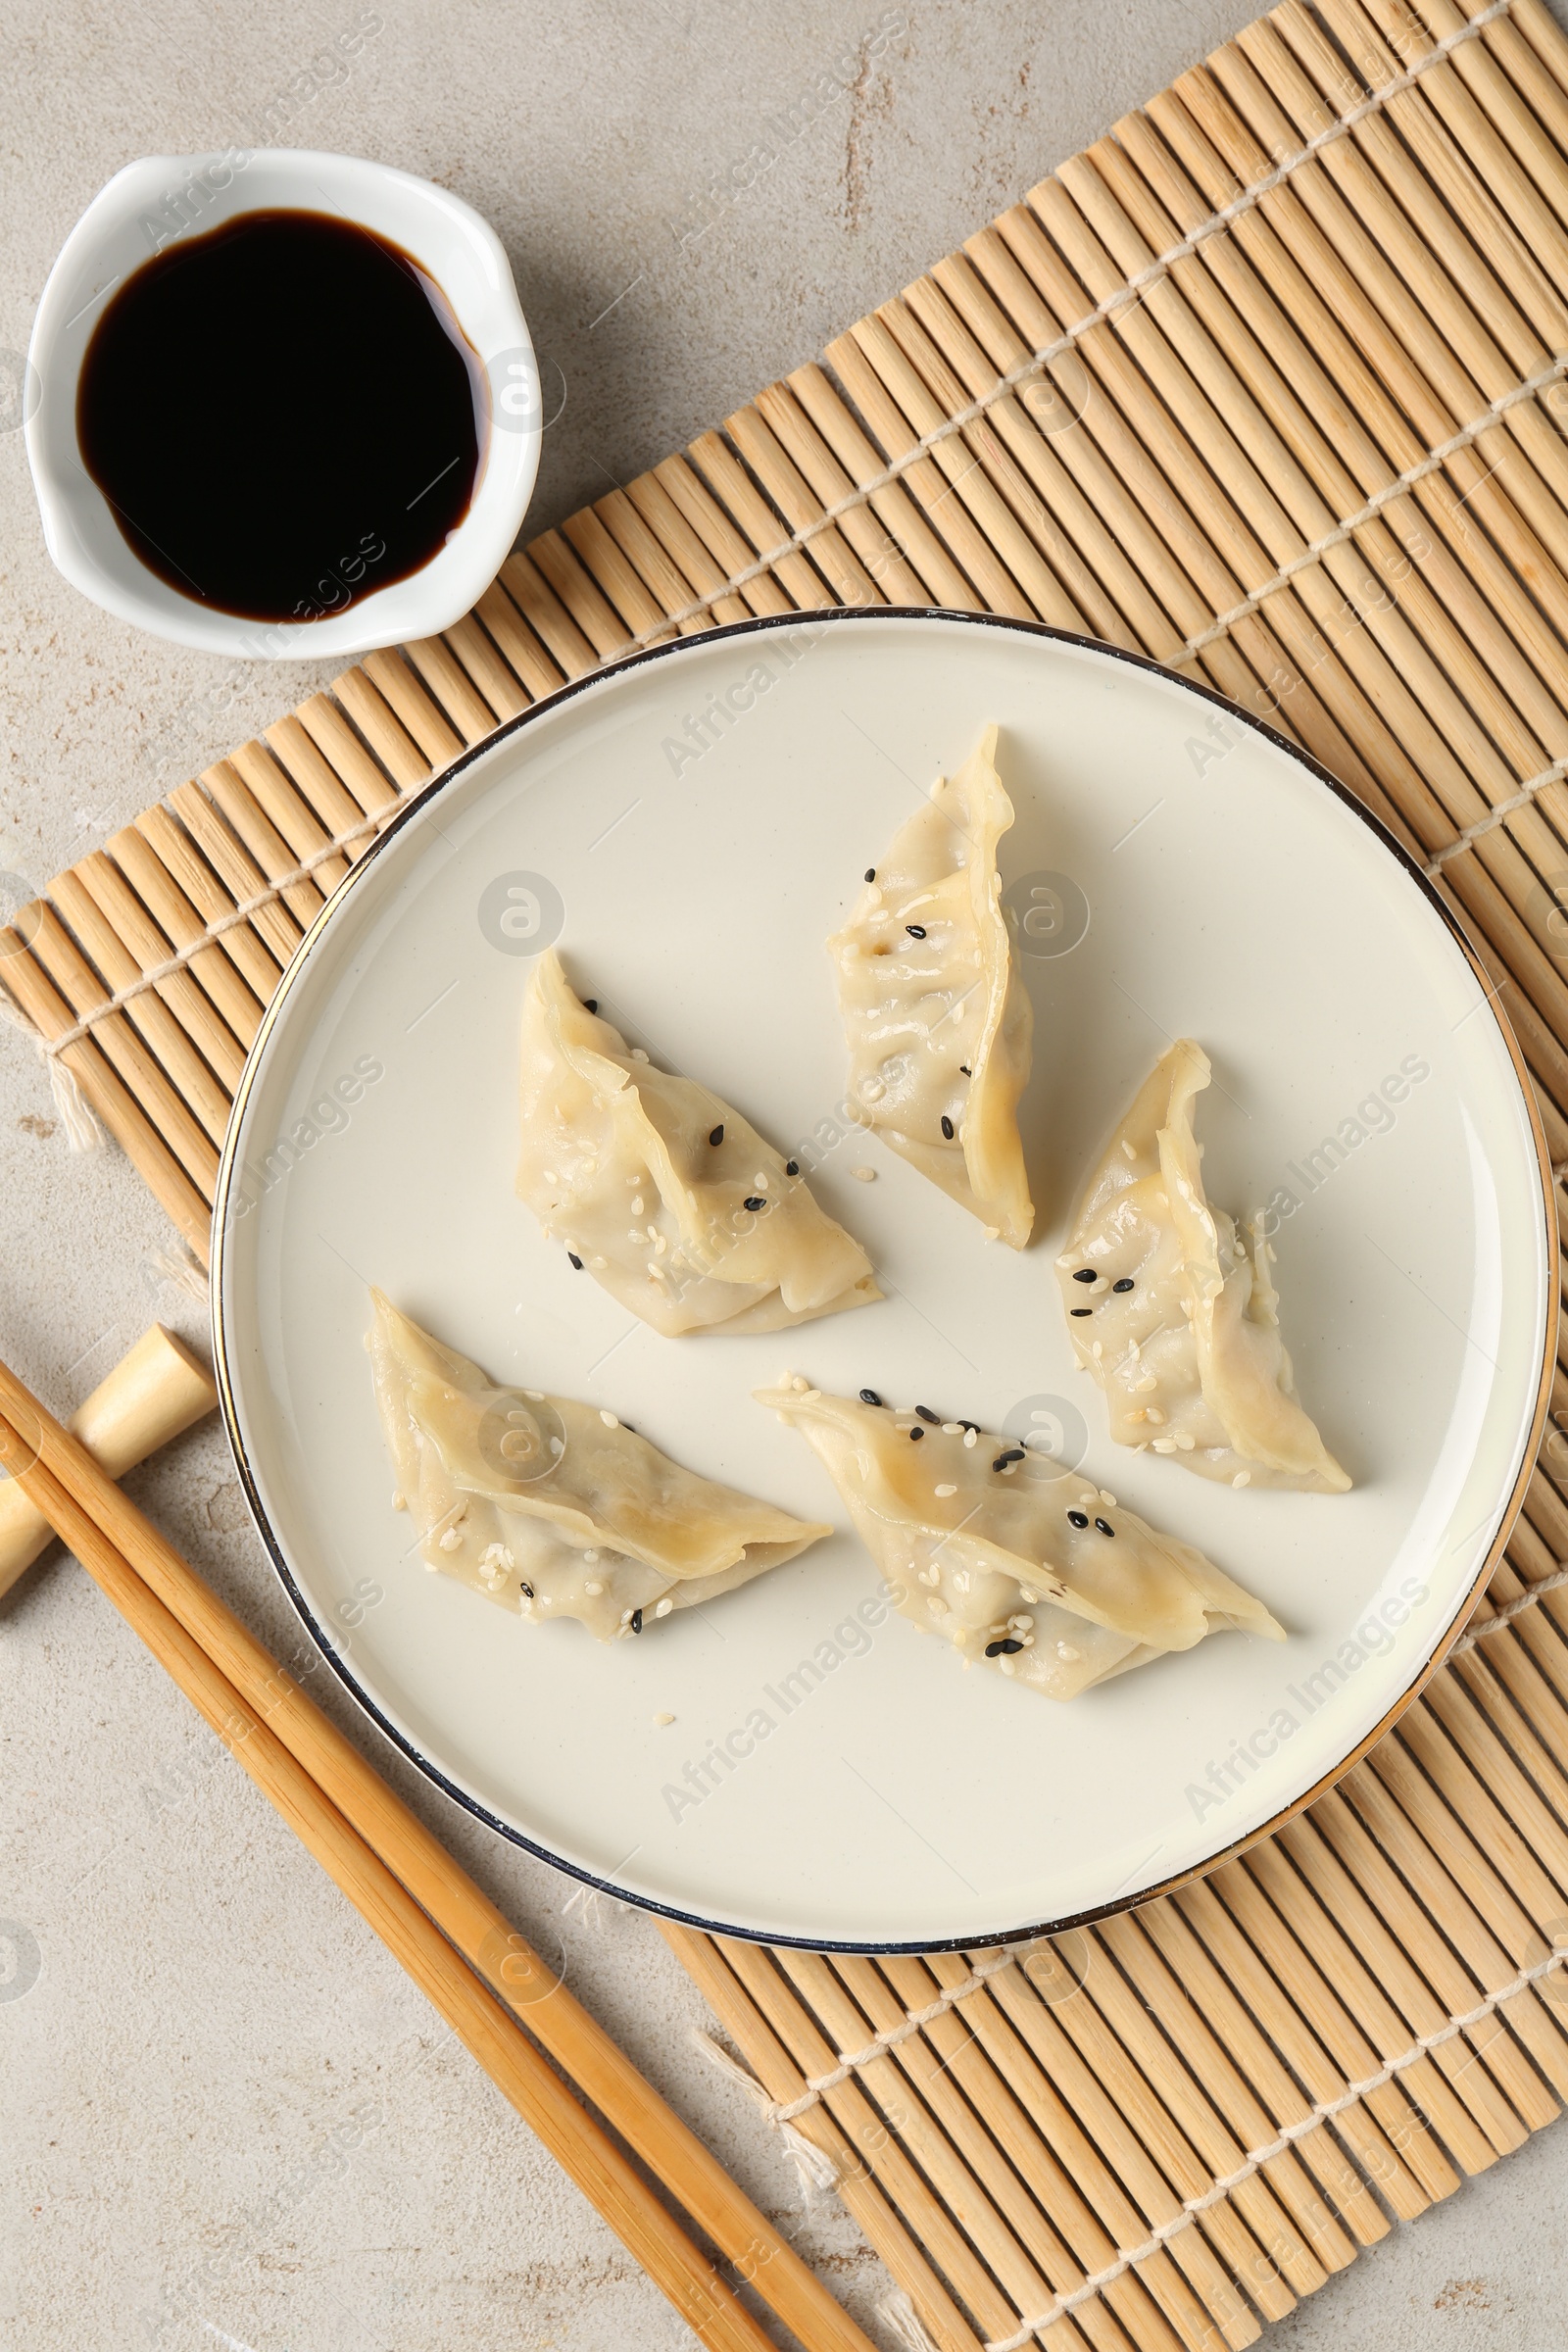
(664, 1194)
(938, 1022)
(1171, 1305)
(555, 1508)
(1021, 1565)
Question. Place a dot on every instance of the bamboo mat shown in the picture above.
(1272, 385)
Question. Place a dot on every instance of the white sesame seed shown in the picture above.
(1024, 1595)
(1164, 1445)
(637, 1206)
(638, 1055)
(1066, 1652)
(594, 1589)
(1128, 1149)
(798, 1385)
(951, 1429)
(937, 1606)
(1242, 1478)
(609, 1419)
(598, 1264)
(431, 1567)
(970, 1438)
(863, 1175)
(399, 1501)
(1185, 1441)
(1007, 1665)
(946, 1489)
(1109, 1500)
(451, 1541)
(659, 1721)
(760, 1182)
(663, 1608)
(534, 1395)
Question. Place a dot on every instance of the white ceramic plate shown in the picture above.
(830, 1775)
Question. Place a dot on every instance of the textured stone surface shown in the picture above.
(207, 2014)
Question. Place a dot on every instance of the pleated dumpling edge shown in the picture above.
(554, 1508)
(936, 1020)
(1171, 1304)
(1023, 1566)
(663, 1192)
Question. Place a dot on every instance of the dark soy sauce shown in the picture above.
(283, 413)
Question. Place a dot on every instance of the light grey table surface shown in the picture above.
(190, 2016)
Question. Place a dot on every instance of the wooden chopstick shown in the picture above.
(383, 1856)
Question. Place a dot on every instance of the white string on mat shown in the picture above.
(81, 1127)
(1251, 2164)
(877, 2047)
(1188, 651)
(1412, 475)
(817, 2169)
(1511, 1610)
(1153, 274)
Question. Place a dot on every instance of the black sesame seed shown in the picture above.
(1014, 1453)
(926, 1415)
(590, 1004)
(526, 1590)
(1125, 1284)
(869, 1397)
(792, 1167)
(997, 1464)
(1104, 1526)
(754, 1200)
(1085, 1274)
(1008, 1649)
(947, 1126)
(1077, 1519)
(870, 873)
(916, 930)
(575, 1259)
(1080, 1311)
(917, 1433)
(717, 1136)
(636, 1621)
(974, 1425)
(965, 1067)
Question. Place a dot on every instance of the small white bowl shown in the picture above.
(147, 206)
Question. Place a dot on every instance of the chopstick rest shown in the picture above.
(152, 1394)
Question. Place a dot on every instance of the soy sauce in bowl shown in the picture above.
(283, 414)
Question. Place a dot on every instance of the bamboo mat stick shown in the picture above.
(781, 2082)
(607, 2177)
(1066, 2132)
(70, 1487)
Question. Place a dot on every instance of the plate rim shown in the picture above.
(758, 627)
